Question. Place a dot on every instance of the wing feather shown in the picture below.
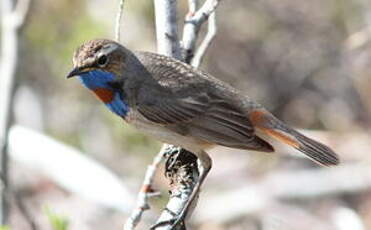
(212, 120)
(191, 102)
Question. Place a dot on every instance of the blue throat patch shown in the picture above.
(118, 105)
(98, 79)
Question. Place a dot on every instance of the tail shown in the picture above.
(275, 128)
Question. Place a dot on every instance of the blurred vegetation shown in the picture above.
(57, 221)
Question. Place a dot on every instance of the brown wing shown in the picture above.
(167, 110)
(206, 117)
(192, 102)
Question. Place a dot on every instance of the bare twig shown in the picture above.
(166, 28)
(146, 190)
(192, 6)
(24, 211)
(206, 9)
(118, 20)
(193, 22)
(211, 32)
(20, 12)
(12, 20)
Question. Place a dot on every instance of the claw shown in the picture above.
(177, 221)
(174, 222)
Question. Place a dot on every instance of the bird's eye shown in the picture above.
(102, 60)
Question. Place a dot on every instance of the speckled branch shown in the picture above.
(182, 171)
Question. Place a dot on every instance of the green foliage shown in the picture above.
(57, 221)
(4, 227)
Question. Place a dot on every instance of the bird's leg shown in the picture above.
(204, 165)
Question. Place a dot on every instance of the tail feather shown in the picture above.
(316, 151)
(273, 127)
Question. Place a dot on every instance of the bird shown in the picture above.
(184, 106)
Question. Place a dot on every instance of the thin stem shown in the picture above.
(118, 21)
(146, 191)
(193, 23)
(211, 33)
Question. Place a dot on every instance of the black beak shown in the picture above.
(76, 71)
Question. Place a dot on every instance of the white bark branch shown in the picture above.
(166, 28)
(211, 33)
(12, 20)
(146, 191)
(193, 22)
(118, 20)
(192, 6)
(206, 9)
(20, 12)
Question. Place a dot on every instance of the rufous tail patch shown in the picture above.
(260, 120)
(282, 136)
(257, 118)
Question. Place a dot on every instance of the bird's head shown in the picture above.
(98, 62)
(100, 65)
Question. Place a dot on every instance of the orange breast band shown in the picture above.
(103, 94)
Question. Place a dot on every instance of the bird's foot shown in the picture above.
(177, 222)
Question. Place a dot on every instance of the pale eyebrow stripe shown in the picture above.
(107, 50)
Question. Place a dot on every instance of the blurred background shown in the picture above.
(309, 62)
